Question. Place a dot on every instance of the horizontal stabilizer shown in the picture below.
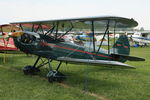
(130, 58)
(93, 62)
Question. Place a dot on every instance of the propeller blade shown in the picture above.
(16, 34)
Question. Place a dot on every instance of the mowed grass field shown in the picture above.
(84, 82)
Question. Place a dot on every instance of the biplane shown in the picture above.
(50, 44)
(6, 42)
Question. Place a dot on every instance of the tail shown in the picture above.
(121, 50)
(122, 46)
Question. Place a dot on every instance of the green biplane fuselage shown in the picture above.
(48, 47)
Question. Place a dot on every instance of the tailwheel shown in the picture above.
(55, 76)
(30, 70)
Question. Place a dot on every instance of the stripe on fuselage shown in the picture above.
(76, 50)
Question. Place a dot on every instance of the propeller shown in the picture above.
(16, 34)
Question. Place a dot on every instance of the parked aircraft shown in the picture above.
(6, 42)
(52, 46)
(137, 38)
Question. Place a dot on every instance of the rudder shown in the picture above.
(122, 45)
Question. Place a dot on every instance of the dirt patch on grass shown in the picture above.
(61, 84)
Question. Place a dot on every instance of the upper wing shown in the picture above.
(120, 22)
(93, 62)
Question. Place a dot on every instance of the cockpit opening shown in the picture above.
(27, 38)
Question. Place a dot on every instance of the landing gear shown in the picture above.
(53, 75)
(30, 70)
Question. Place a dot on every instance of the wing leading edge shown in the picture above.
(93, 62)
(121, 21)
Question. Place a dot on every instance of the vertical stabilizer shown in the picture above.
(122, 45)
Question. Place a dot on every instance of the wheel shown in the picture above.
(59, 77)
(30, 70)
(27, 70)
(50, 76)
(55, 76)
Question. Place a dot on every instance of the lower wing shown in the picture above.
(93, 62)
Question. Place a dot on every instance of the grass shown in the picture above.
(105, 83)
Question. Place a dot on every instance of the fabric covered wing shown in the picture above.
(121, 22)
(93, 62)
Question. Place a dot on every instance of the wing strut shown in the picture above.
(37, 28)
(93, 35)
(108, 37)
(57, 24)
(114, 35)
(50, 30)
(33, 28)
(21, 27)
(106, 32)
(67, 30)
(41, 28)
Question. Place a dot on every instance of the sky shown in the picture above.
(29, 10)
